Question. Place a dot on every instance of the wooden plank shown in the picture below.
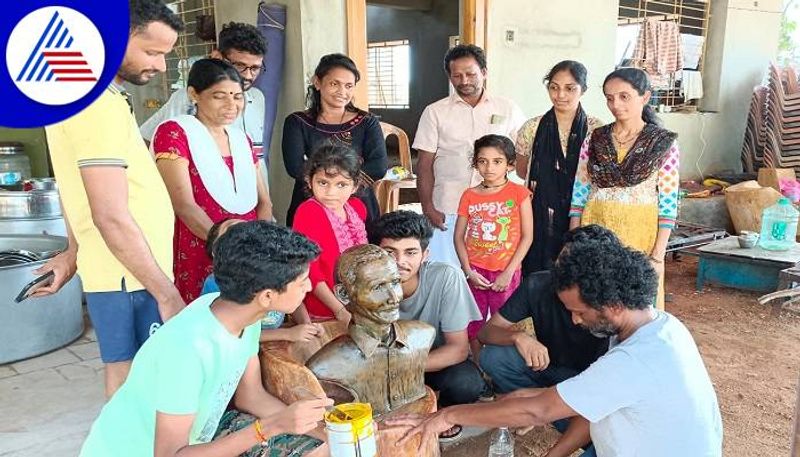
(356, 11)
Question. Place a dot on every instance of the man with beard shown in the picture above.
(436, 293)
(242, 46)
(559, 350)
(116, 204)
(650, 394)
(445, 135)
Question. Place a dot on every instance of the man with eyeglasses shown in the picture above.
(243, 47)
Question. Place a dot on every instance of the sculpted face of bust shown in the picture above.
(377, 293)
(370, 286)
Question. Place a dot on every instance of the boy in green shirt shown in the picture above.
(185, 375)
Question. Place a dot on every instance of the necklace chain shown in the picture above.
(627, 139)
(486, 186)
(327, 121)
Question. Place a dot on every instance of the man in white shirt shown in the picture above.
(649, 395)
(444, 141)
(243, 47)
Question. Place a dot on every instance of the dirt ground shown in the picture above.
(752, 358)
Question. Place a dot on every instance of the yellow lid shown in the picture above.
(358, 415)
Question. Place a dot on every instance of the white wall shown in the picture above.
(547, 33)
(742, 40)
(313, 28)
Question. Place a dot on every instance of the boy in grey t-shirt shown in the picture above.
(436, 293)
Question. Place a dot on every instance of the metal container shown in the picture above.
(15, 166)
(36, 325)
(37, 211)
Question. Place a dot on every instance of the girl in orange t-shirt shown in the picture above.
(494, 230)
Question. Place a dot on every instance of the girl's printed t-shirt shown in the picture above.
(493, 225)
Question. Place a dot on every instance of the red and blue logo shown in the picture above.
(57, 58)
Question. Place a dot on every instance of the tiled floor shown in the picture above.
(47, 403)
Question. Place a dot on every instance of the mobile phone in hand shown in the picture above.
(42, 281)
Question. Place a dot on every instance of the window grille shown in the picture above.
(189, 48)
(692, 17)
(389, 76)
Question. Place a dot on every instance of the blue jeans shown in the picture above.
(509, 373)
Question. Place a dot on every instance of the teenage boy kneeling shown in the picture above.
(185, 375)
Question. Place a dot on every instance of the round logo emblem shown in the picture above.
(55, 55)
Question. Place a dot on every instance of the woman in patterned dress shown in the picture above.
(209, 168)
(332, 117)
(547, 157)
(627, 178)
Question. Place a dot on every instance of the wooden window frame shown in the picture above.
(473, 30)
(393, 103)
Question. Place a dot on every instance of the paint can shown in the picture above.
(351, 430)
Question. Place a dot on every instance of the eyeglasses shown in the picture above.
(242, 68)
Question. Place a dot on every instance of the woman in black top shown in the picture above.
(547, 157)
(332, 117)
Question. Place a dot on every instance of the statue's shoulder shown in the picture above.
(418, 333)
(338, 348)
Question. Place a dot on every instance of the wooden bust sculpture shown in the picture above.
(380, 360)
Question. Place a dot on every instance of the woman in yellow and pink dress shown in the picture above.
(627, 177)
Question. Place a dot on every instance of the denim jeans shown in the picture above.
(509, 372)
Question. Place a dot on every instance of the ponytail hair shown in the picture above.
(638, 79)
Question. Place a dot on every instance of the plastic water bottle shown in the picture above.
(502, 444)
(779, 226)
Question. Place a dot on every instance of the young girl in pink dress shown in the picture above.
(334, 219)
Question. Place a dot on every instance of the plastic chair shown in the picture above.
(387, 191)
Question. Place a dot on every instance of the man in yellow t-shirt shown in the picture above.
(118, 210)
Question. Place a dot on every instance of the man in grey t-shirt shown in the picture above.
(436, 293)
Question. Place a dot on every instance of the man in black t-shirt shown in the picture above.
(560, 350)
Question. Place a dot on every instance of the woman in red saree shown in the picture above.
(209, 168)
